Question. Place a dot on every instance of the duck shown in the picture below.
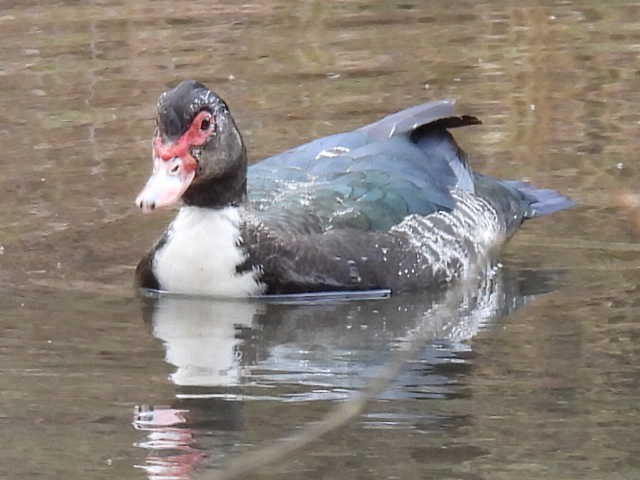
(392, 205)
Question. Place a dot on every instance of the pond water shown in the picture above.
(530, 373)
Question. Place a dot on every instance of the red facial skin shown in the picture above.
(194, 137)
(174, 166)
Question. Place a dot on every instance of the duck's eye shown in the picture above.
(206, 123)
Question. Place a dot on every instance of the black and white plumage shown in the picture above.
(393, 204)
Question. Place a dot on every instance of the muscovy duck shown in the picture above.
(391, 205)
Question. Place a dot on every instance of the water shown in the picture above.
(535, 377)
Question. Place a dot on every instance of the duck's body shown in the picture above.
(391, 205)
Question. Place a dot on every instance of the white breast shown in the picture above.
(201, 253)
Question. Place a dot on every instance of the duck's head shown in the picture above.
(198, 153)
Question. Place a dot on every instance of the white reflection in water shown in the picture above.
(317, 344)
(200, 338)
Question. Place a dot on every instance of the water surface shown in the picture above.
(534, 376)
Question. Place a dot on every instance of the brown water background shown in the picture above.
(92, 385)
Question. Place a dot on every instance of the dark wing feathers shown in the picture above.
(409, 119)
(370, 178)
(340, 259)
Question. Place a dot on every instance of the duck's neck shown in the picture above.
(230, 189)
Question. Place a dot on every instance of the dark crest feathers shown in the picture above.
(177, 107)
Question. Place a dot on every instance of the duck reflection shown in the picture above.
(226, 353)
(203, 338)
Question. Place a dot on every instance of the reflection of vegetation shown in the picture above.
(550, 83)
(555, 84)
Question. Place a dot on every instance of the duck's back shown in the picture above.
(394, 204)
(370, 178)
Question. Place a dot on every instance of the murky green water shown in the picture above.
(536, 376)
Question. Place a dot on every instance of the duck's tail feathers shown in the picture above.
(542, 201)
